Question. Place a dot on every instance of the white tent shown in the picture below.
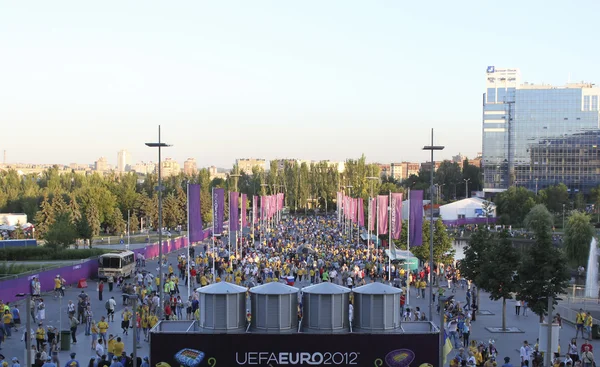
(466, 211)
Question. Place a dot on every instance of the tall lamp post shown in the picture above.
(235, 177)
(466, 186)
(431, 148)
(160, 145)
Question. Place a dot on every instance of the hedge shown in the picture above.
(45, 253)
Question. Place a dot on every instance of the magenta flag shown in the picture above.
(263, 208)
(361, 212)
(254, 208)
(243, 205)
(382, 213)
(415, 217)
(234, 218)
(396, 213)
(355, 210)
(373, 214)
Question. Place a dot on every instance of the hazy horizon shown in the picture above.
(311, 80)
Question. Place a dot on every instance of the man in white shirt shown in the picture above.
(100, 348)
(112, 304)
(525, 353)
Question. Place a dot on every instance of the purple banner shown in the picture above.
(396, 213)
(382, 213)
(218, 210)
(243, 211)
(234, 218)
(415, 217)
(361, 212)
(194, 215)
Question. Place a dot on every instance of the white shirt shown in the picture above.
(112, 304)
(525, 353)
(99, 349)
(350, 312)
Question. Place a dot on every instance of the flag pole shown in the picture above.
(229, 231)
(390, 239)
(408, 251)
(377, 239)
(213, 235)
(189, 239)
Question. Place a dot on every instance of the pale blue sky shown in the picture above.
(271, 79)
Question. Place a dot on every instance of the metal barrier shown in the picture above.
(570, 315)
(42, 268)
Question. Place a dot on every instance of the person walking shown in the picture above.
(100, 290)
(111, 282)
(73, 324)
(518, 307)
(587, 357)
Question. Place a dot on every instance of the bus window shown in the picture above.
(111, 262)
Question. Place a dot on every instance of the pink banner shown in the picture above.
(361, 212)
(382, 213)
(372, 213)
(396, 213)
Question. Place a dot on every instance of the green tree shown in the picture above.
(543, 272)
(578, 235)
(61, 233)
(498, 271)
(513, 205)
(44, 218)
(442, 244)
(554, 197)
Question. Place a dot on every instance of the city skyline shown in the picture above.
(319, 80)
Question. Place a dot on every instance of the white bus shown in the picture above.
(118, 263)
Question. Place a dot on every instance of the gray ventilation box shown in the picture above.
(222, 308)
(274, 308)
(325, 308)
(376, 308)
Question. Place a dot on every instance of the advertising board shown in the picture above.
(271, 350)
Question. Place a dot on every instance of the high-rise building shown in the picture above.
(246, 164)
(101, 164)
(537, 135)
(123, 160)
(190, 167)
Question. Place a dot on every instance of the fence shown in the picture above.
(87, 268)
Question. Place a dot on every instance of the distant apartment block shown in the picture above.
(246, 164)
(123, 161)
(190, 167)
(169, 167)
(101, 165)
(144, 168)
(214, 173)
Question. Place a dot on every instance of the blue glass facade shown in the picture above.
(541, 135)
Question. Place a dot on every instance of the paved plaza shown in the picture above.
(489, 318)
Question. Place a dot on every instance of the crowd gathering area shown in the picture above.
(298, 250)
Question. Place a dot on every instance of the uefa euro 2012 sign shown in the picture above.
(271, 350)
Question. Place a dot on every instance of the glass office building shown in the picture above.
(539, 135)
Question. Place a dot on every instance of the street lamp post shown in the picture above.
(536, 185)
(466, 187)
(431, 148)
(563, 227)
(159, 145)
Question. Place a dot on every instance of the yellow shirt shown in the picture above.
(203, 281)
(40, 333)
(94, 329)
(580, 318)
(126, 316)
(57, 283)
(102, 326)
(170, 269)
(7, 318)
(589, 321)
(157, 279)
(111, 346)
(118, 348)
